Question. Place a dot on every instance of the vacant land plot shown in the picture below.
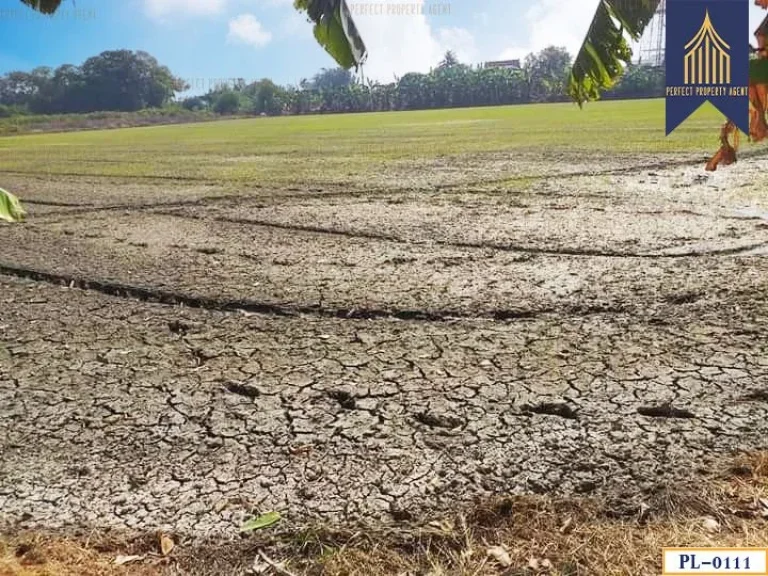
(375, 318)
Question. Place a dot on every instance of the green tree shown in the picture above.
(331, 78)
(547, 74)
(127, 81)
(228, 102)
(266, 97)
(639, 81)
(115, 80)
(448, 60)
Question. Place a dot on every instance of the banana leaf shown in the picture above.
(599, 63)
(335, 30)
(44, 6)
(10, 207)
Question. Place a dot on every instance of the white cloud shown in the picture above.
(514, 53)
(165, 8)
(553, 22)
(405, 42)
(246, 29)
(460, 41)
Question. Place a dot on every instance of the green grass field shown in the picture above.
(323, 149)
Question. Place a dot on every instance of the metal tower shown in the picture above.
(650, 50)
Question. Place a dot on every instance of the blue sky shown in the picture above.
(205, 41)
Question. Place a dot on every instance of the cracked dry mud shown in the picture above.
(351, 357)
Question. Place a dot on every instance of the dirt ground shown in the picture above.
(375, 355)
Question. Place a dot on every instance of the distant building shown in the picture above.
(509, 64)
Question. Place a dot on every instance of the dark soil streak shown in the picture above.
(170, 298)
(146, 294)
(730, 251)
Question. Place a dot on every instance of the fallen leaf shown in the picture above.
(166, 544)
(120, 560)
(262, 521)
(567, 526)
(500, 554)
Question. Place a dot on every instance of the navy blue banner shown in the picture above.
(707, 59)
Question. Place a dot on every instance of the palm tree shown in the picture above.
(334, 30)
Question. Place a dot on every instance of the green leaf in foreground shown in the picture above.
(10, 207)
(335, 30)
(263, 521)
(605, 50)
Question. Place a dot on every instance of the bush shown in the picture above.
(227, 103)
(11, 111)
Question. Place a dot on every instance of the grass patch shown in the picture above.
(339, 148)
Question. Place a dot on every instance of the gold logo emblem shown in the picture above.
(706, 59)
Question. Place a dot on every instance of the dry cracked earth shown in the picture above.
(175, 355)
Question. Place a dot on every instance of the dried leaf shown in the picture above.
(443, 526)
(262, 521)
(120, 560)
(567, 526)
(500, 554)
(260, 567)
(166, 544)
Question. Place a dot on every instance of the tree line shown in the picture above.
(116, 80)
(124, 80)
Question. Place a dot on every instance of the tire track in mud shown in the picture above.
(87, 207)
(164, 177)
(518, 248)
(173, 298)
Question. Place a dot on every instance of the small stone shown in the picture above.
(710, 524)
(500, 554)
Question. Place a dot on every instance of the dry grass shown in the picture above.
(541, 536)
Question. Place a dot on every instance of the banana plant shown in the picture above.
(601, 59)
(334, 30)
(44, 6)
